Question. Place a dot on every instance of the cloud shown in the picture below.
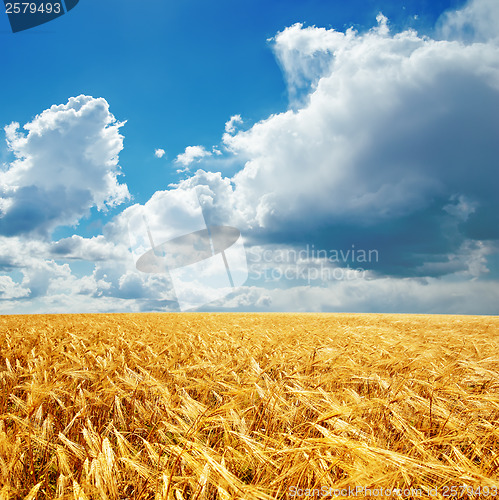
(383, 295)
(159, 153)
(17, 252)
(192, 154)
(93, 249)
(168, 214)
(393, 148)
(477, 21)
(10, 290)
(389, 144)
(65, 163)
(41, 282)
(396, 123)
(305, 55)
(231, 125)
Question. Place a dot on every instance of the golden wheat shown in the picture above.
(247, 406)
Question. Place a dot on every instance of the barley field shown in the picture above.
(248, 406)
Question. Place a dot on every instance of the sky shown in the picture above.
(347, 153)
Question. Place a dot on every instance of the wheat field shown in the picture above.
(248, 406)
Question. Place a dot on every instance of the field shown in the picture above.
(248, 406)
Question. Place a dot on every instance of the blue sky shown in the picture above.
(176, 71)
(382, 139)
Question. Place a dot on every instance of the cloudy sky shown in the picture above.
(354, 145)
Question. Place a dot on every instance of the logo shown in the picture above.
(26, 15)
(204, 262)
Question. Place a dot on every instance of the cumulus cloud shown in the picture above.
(66, 162)
(166, 215)
(17, 252)
(477, 21)
(93, 249)
(397, 123)
(305, 55)
(383, 295)
(159, 153)
(20, 253)
(231, 125)
(36, 278)
(389, 144)
(119, 283)
(10, 290)
(55, 288)
(191, 155)
(394, 148)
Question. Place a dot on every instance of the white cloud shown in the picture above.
(168, 214)
(477, 21)
(66, 162)
(394, 122)
(16, 252)
(379, 153)
(22, 253)
(192, 154)
(94, 249)
(50, 286)
(10, 290)
(159, 153)
(384, 295)
(304, 54)
(389, 143)
(231, 125)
